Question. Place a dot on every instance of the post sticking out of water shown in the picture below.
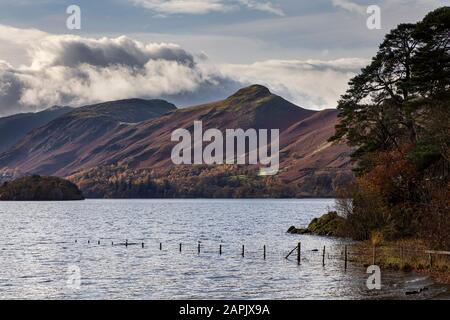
(299, 252)
(160, 246)
(220, 249)
(180, 246)
(75, 240)
(98, 242)
(264, 252)
(126, 243)
(198, 248)
(89, 241)
(112, 243)
(142, 245)
(373, 255)
(323, 257)
(243, 251)
(345, 253)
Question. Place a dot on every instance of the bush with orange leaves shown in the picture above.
(398, 200)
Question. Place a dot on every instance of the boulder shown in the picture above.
(329, 224)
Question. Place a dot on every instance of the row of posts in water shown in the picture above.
(126, 244)
(298, 249)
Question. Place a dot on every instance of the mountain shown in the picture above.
(95, 145)
(70, 141)
(14, 128)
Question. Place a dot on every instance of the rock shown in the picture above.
(37, 188)
(291, 229)
(329, 224)
(294, 230)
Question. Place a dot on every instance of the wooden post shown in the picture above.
(112, 243)
(160, 246)
(373, 255)
(345, 253)
(323, 257)
(198, 248)
(180, 246)
(142, 245)
(220, 249)
(299, 252)
(243, 251)
(89, 241)
(98, 242)
(401, 256)
(264, 252)
(126, 243)
(75, 240)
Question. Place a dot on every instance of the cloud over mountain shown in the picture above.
(314, 84)
(74, 70)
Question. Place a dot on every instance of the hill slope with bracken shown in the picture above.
(100, 155)
(68, 143)
(15, 127)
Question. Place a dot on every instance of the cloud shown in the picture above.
(388, 5)
(74, 70)
(262, 6)
(349, 6)
(10, 89)
(184, 6)
(168, 7)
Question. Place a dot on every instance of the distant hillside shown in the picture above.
(36, 188)
(102, 152)
(68, 142)
(14, 128)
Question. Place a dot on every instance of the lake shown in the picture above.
(46, 247)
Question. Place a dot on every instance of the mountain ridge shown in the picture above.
(77, 143)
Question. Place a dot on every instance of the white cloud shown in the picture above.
(168, 7)
(349, 6)
(74, 70)
(389, 5)
(262, 6)
(184, 6)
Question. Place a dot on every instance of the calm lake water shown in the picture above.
(43, 246)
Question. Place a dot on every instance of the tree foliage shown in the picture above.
(396, 114)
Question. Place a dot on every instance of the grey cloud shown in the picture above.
(71, 51)
(10, 89)
(71, 70)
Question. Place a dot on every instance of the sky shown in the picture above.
(188, 51)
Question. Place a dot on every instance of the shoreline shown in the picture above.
(407, 255)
